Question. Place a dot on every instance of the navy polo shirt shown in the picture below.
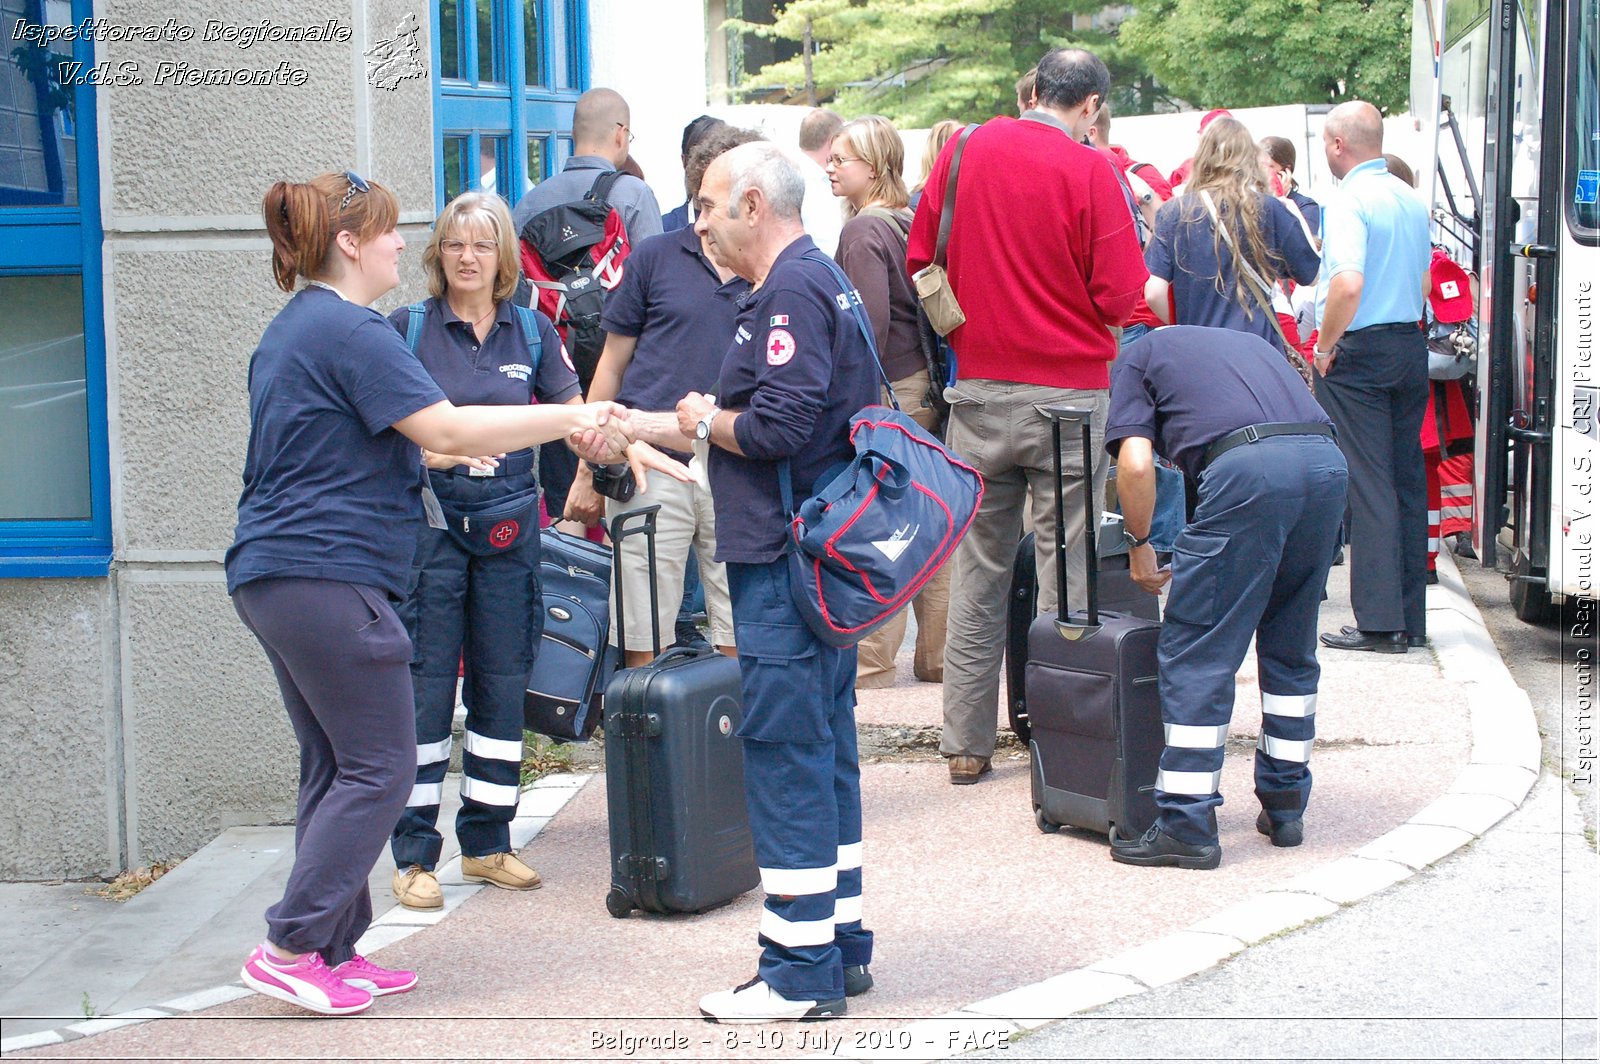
(331, 491)
(1183, 387)
(798, 370)
(1183, 251)
(683, 316)
(497, 371)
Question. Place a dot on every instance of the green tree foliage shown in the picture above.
(919, 61)
(1251, 53)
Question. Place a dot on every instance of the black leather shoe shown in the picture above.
(1338, 556)
(1158, 848)
(857, 979)
(1289, 833)
(1377, 642)
(1431, 578)
(1415, 642)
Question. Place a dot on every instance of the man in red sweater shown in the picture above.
(1044, 260)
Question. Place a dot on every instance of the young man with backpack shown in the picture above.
(600, 137)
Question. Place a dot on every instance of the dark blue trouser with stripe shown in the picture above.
(1253, 562)
(802, 786)
(486, 609)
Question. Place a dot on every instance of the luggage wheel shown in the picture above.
(617, 902)
(1046, 825)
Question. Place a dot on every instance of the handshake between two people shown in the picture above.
(673, 429)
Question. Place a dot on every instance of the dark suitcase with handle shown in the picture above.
(1093, 704)
(680, 836)
(1118, 593)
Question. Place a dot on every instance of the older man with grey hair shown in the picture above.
(798, 368)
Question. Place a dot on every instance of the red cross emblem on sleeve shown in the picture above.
(780, 347)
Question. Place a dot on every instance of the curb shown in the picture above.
(1502, 768)
(539, 803)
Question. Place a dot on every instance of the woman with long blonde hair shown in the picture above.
(938, 136)
(1220, 247)
(864, 167)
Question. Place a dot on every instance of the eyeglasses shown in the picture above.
(624, 125)
(357, 184)
(479, 247)
(837, 161)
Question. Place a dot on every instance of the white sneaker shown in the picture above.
(756, 1002)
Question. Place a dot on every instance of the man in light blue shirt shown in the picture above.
(1372, 366)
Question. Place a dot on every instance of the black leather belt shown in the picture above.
(511, 465)
(1252, 433)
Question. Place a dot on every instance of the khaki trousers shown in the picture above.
(875, 654)
(998, 428)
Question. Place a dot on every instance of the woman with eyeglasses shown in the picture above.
(321, 553)
(864, 168)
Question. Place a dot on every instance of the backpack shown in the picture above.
(530, 333)
(572, 255)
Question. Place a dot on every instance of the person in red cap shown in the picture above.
(1181, 174)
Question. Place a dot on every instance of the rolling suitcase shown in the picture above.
(1117, 593)
(575, 659)
(680, 836)
(1093, 704)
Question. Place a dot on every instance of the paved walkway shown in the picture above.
(985, 926)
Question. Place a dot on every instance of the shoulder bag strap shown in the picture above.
(848, 291)
(418, 312)
(530, 335)
(947, 209)
(1254, 281)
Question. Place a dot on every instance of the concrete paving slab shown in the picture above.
(1057, 997)
(1472, 813)
(1265, 915)
(1349, 879)
(1171, 957)
(205, 999)
(1415, 845)
(1508, 782)
(111, 1023)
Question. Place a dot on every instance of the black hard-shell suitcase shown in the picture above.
(1093, 703)
(575, 659)
(1118, 593)
(680, 835)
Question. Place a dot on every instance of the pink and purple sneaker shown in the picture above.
(362, 973)
(307, 982)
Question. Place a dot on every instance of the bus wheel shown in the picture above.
(1530, 601)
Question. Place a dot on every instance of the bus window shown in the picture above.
(1583, 126)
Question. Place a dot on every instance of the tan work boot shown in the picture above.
(500, 870)
(417, 888)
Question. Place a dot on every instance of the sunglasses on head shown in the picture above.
(357, 184)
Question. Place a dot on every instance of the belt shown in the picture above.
(511, 465)
(1385, 326)
(1252, 433)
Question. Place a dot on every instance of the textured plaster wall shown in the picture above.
(209, 744)
(210, 150)
(147, 712)
(56, 810)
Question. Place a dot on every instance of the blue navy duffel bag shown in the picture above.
(862, 547)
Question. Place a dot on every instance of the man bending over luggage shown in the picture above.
(1227, 408)
(796, 372)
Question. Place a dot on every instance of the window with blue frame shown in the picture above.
(55, 503)
(506, 76)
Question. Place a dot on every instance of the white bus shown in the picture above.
(1516, 179)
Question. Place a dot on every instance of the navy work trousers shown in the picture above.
(341, 658)
(802, 785)
(486, 611)
(1376, 392)
(1253, 562)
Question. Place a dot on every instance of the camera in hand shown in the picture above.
(613, 481)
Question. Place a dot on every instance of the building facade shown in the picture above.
(135, 147)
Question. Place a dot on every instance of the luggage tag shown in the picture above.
(431, 508)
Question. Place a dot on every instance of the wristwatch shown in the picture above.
(1133, 540)
(702, 428)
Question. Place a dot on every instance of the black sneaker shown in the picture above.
(1157, 848)
(857, 979)
(1289, 833)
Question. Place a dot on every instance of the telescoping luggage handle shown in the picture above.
(1066, 626)
(644, 523)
